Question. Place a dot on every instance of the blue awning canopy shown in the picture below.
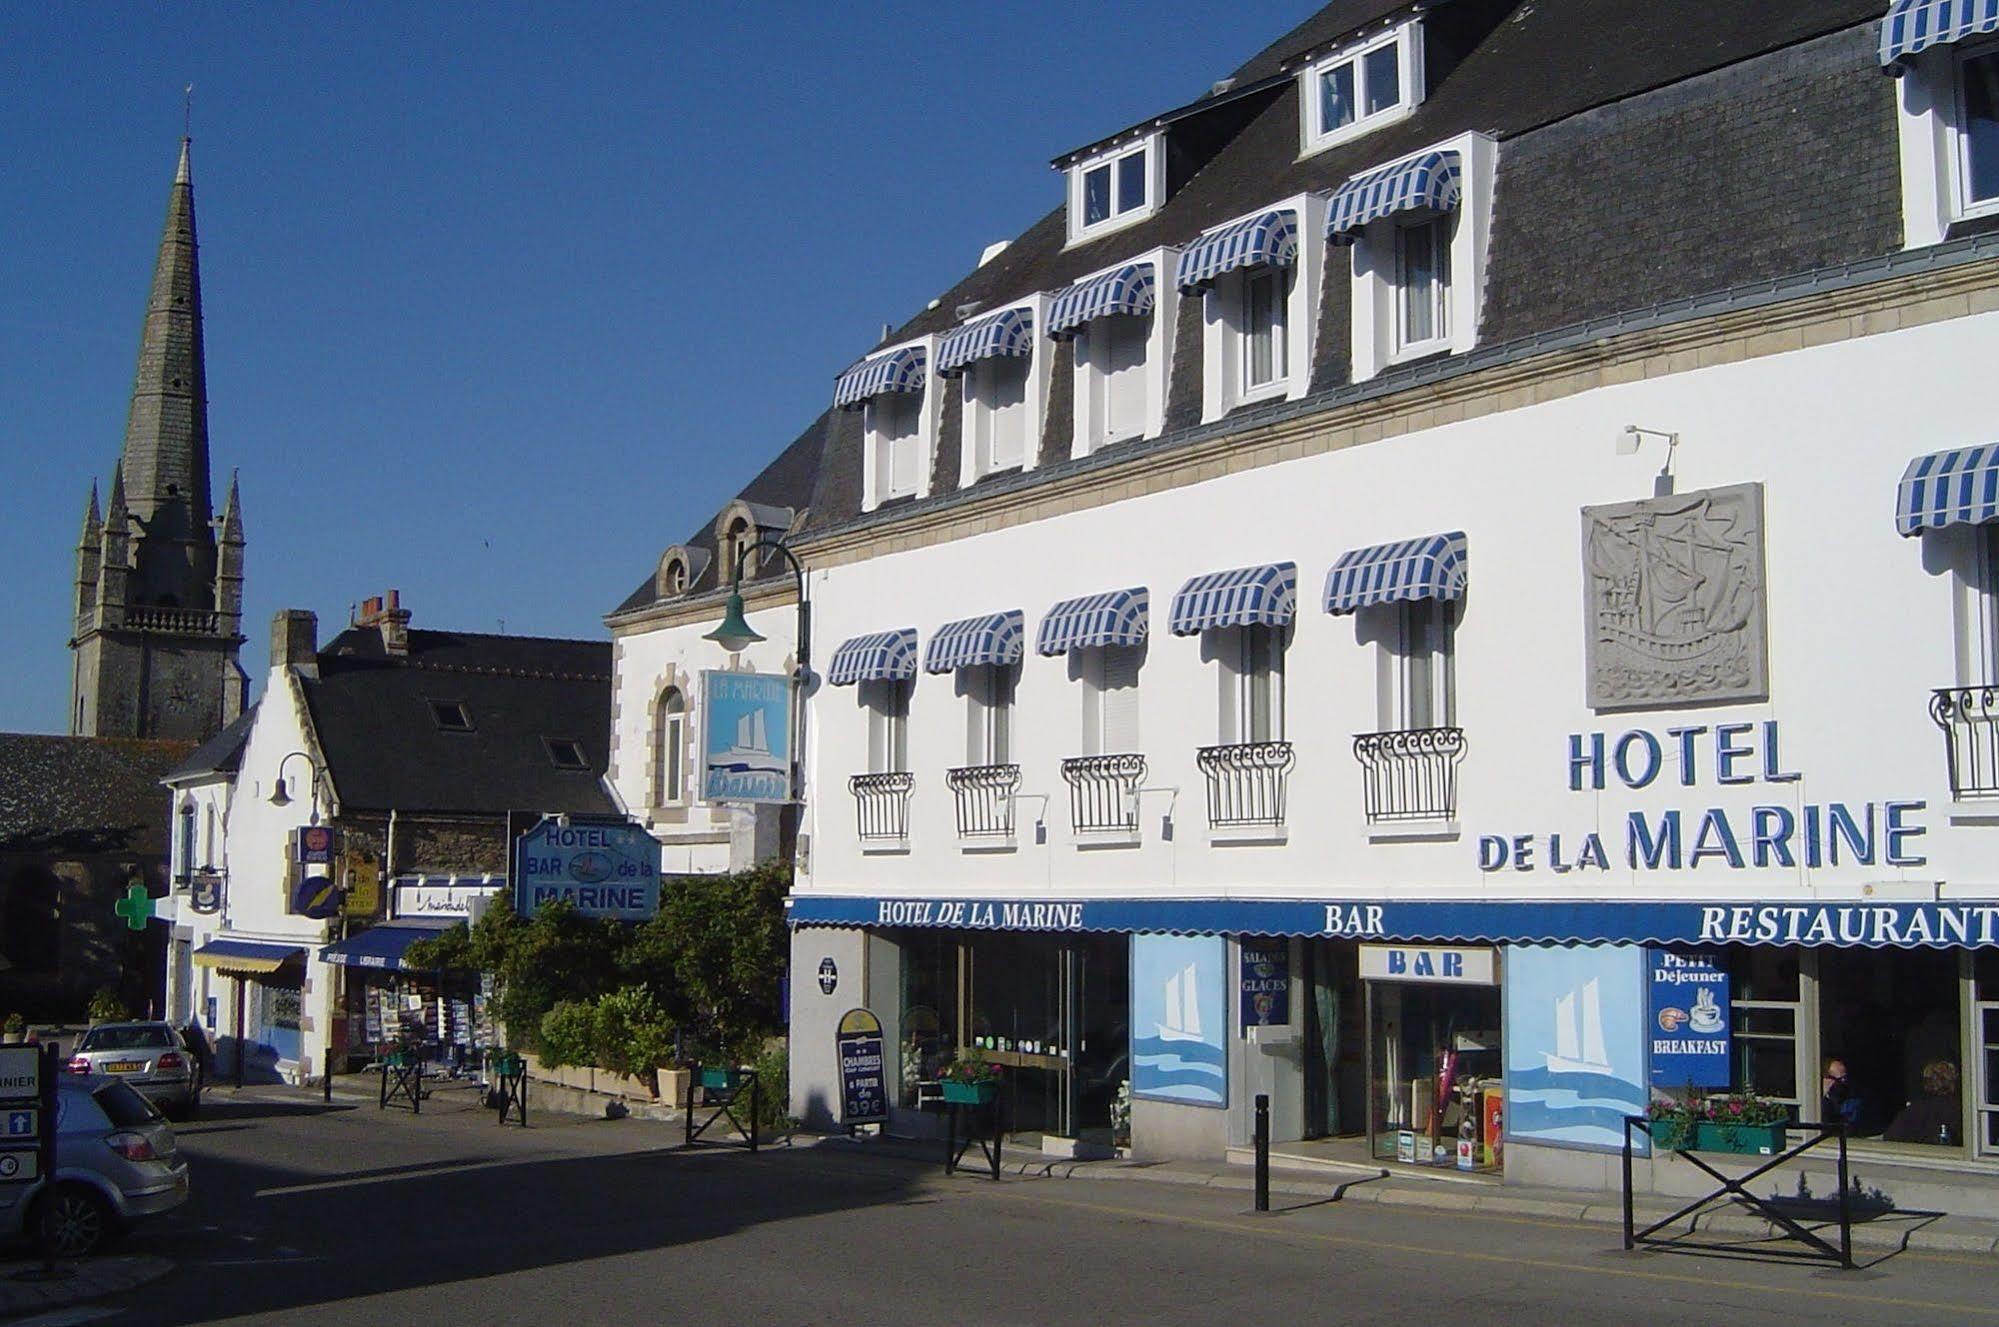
(883, 656)
(258, 956)
(897, 371)
(1127, 290)
(1116, 617)
(995, 638)
(1008, 332)
(1958, 487)
(1267, 239)
(1913, 26)
(1264, 596)
(382, 947)
(1426, 182)
(1432, 567)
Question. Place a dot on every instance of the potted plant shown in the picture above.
(970, 1082)
(14, 1031)
(106, 1007)
(1672, 1121)
(1742, 1123)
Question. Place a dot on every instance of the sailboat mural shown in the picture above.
(1574, 1038)
(1179, 1018)
(745, 754)
(1579, 1041)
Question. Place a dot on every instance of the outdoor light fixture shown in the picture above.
(735, 634)
(1632, 437)
(279, 797)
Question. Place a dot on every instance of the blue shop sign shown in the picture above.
(601, 868)
(863, 1068)
(1686, 1010)
(1264, 980)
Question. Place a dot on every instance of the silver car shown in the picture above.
(150, 1056)
(116, 1161)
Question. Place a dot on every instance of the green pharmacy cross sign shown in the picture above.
(136, 907)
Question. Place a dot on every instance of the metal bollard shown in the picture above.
(1262, 1152)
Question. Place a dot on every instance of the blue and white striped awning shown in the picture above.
(1246, 597)
(1427, 181)
(1269, 238)
(1913, 26)
(1116, 617)
(995, 638)
(1127, 290)
(897, 371)
(1959, 487)
(1432, 567)
(1008, 332)
(883, 656)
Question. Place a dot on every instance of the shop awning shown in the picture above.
(1008, 332)
(1245, 597)
(883, 656)
(995, 638)
(1116, 617)
(1959, 487)
(1127, 290)
(897, 371)
(1913, 26)
(1425, 182)
(382, 946)
(1267, 239)
(258, 956)
(1554, 921)
(1432, 567)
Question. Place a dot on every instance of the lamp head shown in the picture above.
(279, 797)
(735, 634)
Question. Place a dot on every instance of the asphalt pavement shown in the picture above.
(306, 1214)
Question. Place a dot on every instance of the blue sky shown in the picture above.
(500, 302)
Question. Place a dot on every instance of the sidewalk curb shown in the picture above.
(95, 1278)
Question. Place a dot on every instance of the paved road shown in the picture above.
(306, 1216)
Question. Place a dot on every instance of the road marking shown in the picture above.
(428, 1172)
(1545, 1264)
(65, 1317)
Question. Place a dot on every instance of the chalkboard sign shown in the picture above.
(863, 1069)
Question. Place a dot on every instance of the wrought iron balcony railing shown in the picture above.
(1246, 782)
(881, 804)
(1969, 718)
(1411, 774)
(1103, 793)
(984, 794)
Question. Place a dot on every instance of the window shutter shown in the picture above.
(1120, 699)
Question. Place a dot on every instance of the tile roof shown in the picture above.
(220, 754)
(85, 794)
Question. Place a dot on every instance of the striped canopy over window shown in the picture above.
(1127, 290)
(1913, 26)
(1264, 596)
(996, 638)
(1116, 617)
(1268, 239)
(883, 656)
(1432, 567)
(897, 371)
(1427, 182)
(1958, 487)
(1008, 332)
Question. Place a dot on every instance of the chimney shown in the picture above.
(295, 640)
(394, 621)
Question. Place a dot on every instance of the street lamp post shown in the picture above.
(735, 635)
(279, 797)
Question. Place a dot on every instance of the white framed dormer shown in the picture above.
(1360, 86)
(1259, 323)
(1115, 187)
(1124, 362)
(899, 434)
(1419, 275)
(1947, 102)
(1004, 401)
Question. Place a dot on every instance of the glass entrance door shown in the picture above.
(1054, 1014)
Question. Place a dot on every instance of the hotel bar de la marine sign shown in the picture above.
(1451, 582)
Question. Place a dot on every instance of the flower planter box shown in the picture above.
(397, 1059)
(1745, 1139)
(721, 1080)
(507, 1066)
(969, 1094)
(1667, 1135)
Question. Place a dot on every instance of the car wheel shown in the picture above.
(73, 1221)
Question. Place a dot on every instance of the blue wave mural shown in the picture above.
(1575, 1043)
(1179, 1019)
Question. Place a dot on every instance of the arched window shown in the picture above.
(676, 577)
(741, 536)
(669, 749)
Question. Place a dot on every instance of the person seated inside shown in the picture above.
(1837, 1102)
(1935, 1116)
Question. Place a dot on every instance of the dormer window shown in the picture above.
(451, 716)
(1120, 323)
(567, 753)
(737, 548)
(1362, 86)
(1256, 277)
(1003, 370)
(1115, 188)
(891, 390)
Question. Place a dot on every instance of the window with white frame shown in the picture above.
(1973, 551)
(1416, 665)
(1362, 87)
(1252, 684)
(1948, 118)
(1422, 285)
(1118, 388)
(1110, 699)
(887, 703)
(998, 419)
(1977, 129)
(895, 441)
(988, 690)
(669, 749)
(736, 549)
(1113, 189)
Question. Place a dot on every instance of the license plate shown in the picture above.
(124, 1066)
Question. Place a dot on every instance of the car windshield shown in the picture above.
(131, 1037)
(126, 1108)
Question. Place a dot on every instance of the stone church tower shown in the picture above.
(159, 579)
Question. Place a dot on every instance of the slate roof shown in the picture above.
(85, 794)
(372, 714)
(219, 755)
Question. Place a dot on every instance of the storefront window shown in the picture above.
(1765, 999)
(1892, 1017)
(1985, 1020)
(1434, 1053)
(929, 1008)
